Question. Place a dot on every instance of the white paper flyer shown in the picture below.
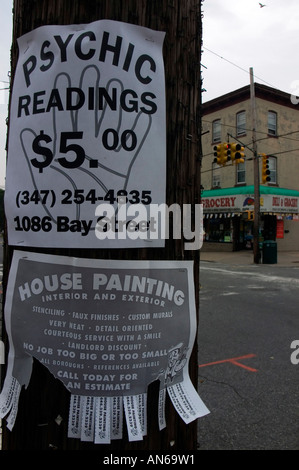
(106, 329)
(87, 129)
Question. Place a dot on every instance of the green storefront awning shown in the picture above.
(241, 199)
(249, 190)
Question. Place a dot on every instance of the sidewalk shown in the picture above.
(244, 257)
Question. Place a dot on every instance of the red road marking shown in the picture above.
(235, 361)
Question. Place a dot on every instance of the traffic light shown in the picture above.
(265, 169)
(237, 153)
(226, 153)
(250, 215)
(218, 154)
(222, 153)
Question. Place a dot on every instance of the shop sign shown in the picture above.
(242, 203)
(273, 203)
(285, 204)
(220, 204)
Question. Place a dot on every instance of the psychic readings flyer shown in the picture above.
(87, 130)
(106, 329)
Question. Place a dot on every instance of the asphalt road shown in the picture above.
(248, 318)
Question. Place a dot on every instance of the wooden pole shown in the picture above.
(46, 398)
(256, 222)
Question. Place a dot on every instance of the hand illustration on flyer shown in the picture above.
(87, 129)
(106, 329)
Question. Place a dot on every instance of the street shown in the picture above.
(248, 318)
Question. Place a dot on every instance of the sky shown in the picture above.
(237, 35)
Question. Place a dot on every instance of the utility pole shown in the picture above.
(256, 222)
(45, 398)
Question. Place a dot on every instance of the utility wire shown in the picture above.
(235, 65)
(259, 132)
(285, 136)
(270, 154)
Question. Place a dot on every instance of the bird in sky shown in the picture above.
(261, 5)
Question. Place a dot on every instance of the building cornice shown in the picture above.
(263, 92)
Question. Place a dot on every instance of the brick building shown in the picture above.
(228, 191)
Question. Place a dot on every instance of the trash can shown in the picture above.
(269, 252)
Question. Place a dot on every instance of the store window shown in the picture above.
(241, 123)
(218, 229)
(272, 123)
(216, 130)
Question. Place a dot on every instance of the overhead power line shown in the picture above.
(285, 136)
(237, 66)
